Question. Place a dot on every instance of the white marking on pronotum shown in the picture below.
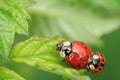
(66, 43)
(96, 57)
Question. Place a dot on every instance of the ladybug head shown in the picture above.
(96, 63)
(65, 48)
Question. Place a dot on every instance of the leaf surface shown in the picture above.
(41, 53)
(6, 74)
(12, 20)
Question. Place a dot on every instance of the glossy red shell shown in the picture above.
(79, 56)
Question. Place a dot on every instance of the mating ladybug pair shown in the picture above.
(79, 55)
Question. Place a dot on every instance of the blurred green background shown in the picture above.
(95, 22)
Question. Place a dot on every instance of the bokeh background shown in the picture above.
(95, 22)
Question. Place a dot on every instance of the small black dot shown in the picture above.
(85, 47)
(103, 60)
(80, 58)
(102, 64)
(102, 55)
(78, 65)
(100, 68)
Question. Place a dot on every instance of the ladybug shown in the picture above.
(79, 55)
(96, 63)
(76, 53)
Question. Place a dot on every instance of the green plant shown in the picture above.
(56, 17)
(36, 52)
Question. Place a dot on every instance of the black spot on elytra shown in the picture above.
(85, 63)
(102, 64)
(103, 60)
(80, 58)
(100, 68)
(85, 47)
(102, 55)
(78, 65)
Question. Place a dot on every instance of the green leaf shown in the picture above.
(72, 22)
(41, 53)
(23, 3)
(12, 20)
(6, 40)
(110, 5)
(99, 6)
(6, 74)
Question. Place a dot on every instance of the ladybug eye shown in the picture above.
(59, 46)
(91, 67)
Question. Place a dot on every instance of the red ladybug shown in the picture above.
(79, 56)
(96, 63)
